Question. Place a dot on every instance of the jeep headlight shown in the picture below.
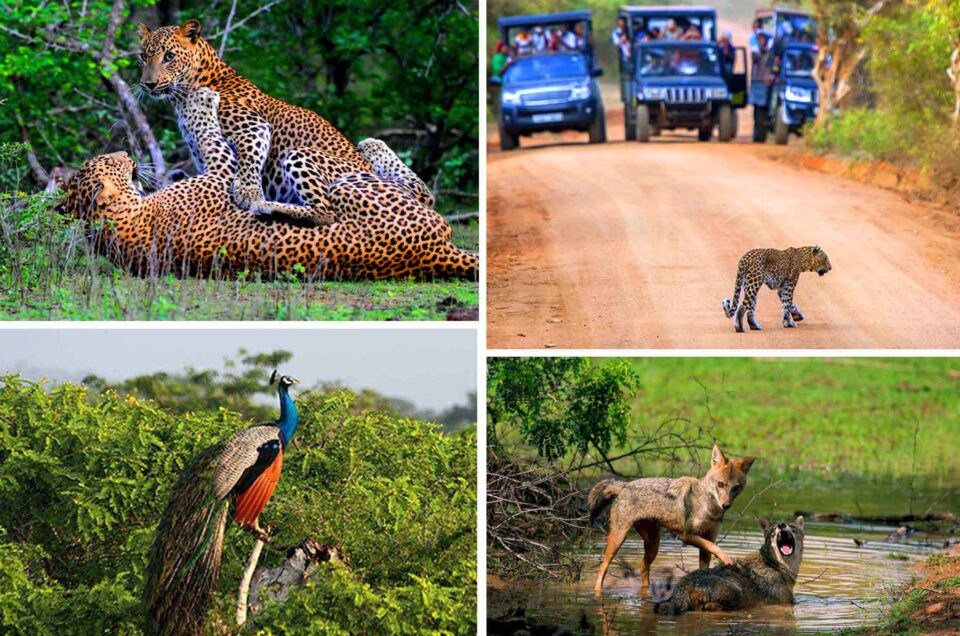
(510, 97)
(654, 93)
(797, 94)
(718, 92)
(580, 92)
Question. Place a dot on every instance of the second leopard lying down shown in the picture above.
(382, 229)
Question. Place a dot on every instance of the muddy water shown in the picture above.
(840, 586)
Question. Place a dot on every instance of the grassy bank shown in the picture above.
(929, 605)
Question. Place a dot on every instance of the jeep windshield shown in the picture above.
(546, 67)
(661, 61)
(799, 62)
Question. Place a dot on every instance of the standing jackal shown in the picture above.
(689, 507)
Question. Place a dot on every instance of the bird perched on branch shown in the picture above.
(232, 479)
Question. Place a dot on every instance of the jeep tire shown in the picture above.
(508, 141)
(725, 123)
(705, 133)
(643, 123)
(598, 129)
(759, 125)
(630, 122)
(781, 129)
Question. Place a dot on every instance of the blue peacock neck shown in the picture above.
(289, 418)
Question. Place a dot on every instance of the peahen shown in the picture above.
(232, 479)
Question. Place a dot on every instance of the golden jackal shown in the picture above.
(689, 507)
(765, 577)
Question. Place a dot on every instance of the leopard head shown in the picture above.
(816, 260)
(169, 58)
(104, 188)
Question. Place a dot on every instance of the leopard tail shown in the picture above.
(730, 308)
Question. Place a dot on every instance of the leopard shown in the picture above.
(779, 270)
(192, 228)
(274, 140)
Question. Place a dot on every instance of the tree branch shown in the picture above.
(245, 582)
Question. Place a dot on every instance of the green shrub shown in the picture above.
(83, 483)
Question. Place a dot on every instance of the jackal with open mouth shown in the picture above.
(765, 577)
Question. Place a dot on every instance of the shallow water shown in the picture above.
(840, 586)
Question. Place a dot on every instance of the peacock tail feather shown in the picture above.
(184, 566)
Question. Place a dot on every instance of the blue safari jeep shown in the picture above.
(550, 83)
(783, 92)
(668, 83)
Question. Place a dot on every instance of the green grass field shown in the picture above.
(804, 418)
(870, 416)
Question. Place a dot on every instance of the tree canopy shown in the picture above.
(403, 70)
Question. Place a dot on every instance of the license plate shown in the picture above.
(547, 118)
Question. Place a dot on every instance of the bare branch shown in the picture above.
(226, 29)
(240, 23)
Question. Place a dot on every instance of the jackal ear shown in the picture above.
(144, 31)
(191, 29)
(798, 522)
(763, 522)
(717, 458)
(745, 463)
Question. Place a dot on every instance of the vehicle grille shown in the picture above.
(544, 98)
(686, 95)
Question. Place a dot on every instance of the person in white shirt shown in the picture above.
(539, 40)
(618, 32)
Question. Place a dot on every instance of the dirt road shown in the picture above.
(629, 245)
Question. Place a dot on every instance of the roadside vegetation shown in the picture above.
(897, 100)
(68, 77)
(86, 473)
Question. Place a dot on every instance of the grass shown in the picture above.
(929, 604)
(870, 416)
(805, 418)
(48, 271)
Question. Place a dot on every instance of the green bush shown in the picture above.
(83, 483)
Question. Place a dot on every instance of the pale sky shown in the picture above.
(433, 368)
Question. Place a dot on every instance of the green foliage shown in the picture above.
(560, 405)
(83, 483)
(909, 94)
(358, 63)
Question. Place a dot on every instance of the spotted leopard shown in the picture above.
(274, 140)
(779, 270)
(192, 227)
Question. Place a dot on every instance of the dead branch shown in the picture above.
(301, 563)
(463, 218)
(245, 582)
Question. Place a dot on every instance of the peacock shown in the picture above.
(232, 479)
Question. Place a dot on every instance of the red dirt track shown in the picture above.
(629, 245)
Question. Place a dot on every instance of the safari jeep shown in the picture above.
(669, 84)
(683, 84)
(552, 89)
(783, 92)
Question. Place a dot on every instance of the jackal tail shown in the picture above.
(601, 496)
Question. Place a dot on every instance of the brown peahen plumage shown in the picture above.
(232, 479)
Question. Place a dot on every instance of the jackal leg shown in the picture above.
(711, 548)
(651, 545)
(704, 559)
(615, 538)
